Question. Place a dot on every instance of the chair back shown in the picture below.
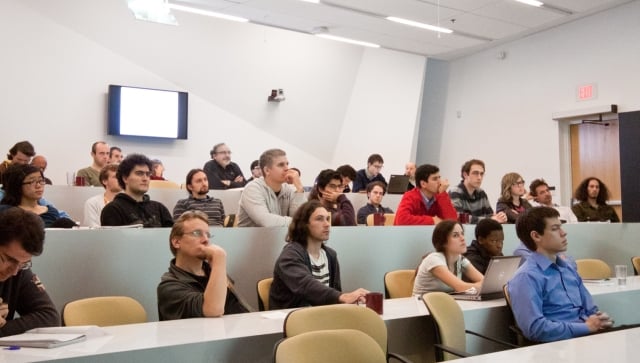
(388, 219)
(163, 184)
(593, 269)
(103, 311)
(635, 262)
(264, 287)
(520, 339)
(230, 220)
(336, 346)
(338, 316)
(449, 321)
(399, 283)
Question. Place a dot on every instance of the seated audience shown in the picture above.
(20, 153)
(115, 155)
(539, 191)
(94, 205)
(328, 190)
(223, 173)
(307, 271)
(348, 174)
(375, 192)
(592, 196)
(196, 284)
(428, 203)
(410, 171)
(24, 303)
(370, 174)
(548, 299)
(157, 169)
(198, 188)
(24, 187)
(40, 161)
(511, 200)
(270, 201)
(256, 172)
(444, 269)
(134, 206)
(469, 198)
(100, 155)
(488, 243)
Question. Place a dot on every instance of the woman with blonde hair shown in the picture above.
(511, 200)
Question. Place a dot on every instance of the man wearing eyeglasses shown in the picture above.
(223, 173)
(134, 206)
(21, 292)
(370, 174)
(196, 284)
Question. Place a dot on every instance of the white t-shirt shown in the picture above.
(320, 267)
(427, 282)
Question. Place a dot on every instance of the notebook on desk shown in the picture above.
(499, 271)
(397, 184)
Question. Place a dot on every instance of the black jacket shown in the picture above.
(124, 210)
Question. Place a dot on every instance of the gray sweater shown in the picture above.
(261, 207)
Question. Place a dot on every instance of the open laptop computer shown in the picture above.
(499, 271)
(397, 184)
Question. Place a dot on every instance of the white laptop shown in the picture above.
(499, 271)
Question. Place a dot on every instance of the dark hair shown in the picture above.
(322, 180)
(441, 233)
(533, 219)
(127, 165)
(466, 167)
(93, 147)
(266, 159)
(297, 170)
(535, 184)
(582, 193)
(348, 171)
(24, 147)
(178, 227)
(190, 176)
(112, 149)
(299, 227)
(12, 182)
(377, 184)
(486, 226)
(375, 157)
(215, 149)
(104, 173)
(254, 164)
(423, 172)
(27, 228)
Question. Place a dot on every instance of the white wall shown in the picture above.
(506, 105)
(60, 56)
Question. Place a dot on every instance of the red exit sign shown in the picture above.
(586, 92)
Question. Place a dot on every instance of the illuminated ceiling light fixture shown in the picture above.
(156, 11)
(419, 25)
(347, 40)
(188, 9)
(531, 2)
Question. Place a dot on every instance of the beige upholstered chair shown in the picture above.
(635, 262)
(339, 316)
(103, 311)
(519, 336)
(451, 340)
(593, 269)
(388, 219)
(399, 283)
(263, 287)
(335, 346)
(230, 220)
(163, 184)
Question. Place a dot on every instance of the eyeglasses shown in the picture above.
(224, 152)
(256, 167)
(142, 173)
(8, 259)
(334, 186)
(519, 182)
(34, 182)
(198, 233)
(377, 166)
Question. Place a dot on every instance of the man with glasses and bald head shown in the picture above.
(196, 284)
(21, 292)
(223, 173)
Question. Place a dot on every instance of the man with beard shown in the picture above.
(223, 173)
(198, 187)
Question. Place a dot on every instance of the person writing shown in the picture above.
(444, 269)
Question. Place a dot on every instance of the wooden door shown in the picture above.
(595, 152)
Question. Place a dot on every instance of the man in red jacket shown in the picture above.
(428, 203)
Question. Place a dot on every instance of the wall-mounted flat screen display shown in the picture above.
(135, 111)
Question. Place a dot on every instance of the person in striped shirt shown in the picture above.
(198, 187)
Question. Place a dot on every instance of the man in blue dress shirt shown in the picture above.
(548, 298)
